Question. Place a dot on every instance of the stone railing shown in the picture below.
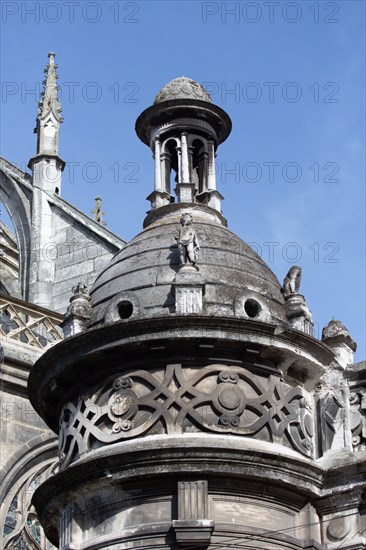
(28, 324)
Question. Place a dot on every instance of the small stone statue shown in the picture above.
(291, 283)
(187, 241)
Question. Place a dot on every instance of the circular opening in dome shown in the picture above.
(252, 308)
(125, 309)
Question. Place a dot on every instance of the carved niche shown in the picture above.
(216, 399)
(330, 412)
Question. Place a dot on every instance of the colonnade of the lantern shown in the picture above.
(192, 158)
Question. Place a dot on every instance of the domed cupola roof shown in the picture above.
(143, 279)
(183, 98)
(182, 88)
(185, 261)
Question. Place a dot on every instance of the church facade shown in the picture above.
(177, 398)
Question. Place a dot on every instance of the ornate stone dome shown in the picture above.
(140, 281)
(182, 88)
(155, 275)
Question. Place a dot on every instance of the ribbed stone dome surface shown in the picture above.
(143, 274)
(182, 88)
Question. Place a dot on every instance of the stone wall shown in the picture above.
(78, 253)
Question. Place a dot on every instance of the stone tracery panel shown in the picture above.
(27, 324)
(21, 527)
(175, 400)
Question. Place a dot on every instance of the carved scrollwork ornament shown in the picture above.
(357, 401)
(216, 399)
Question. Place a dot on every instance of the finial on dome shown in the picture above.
(182, 88)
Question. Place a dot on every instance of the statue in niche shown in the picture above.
(187, 241)
(291, 283)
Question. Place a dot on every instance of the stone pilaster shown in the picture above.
(193, 528)
(188, 289)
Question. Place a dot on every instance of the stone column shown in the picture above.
(211, 174)
(185, 159)
(165, 176)
(203, 163)
(179, 162)
(190, 158)
(157, 158)
(46, 180)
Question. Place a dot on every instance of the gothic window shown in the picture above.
(21, 528)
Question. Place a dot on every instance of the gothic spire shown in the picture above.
(49, 112)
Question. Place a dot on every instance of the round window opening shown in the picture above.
(252, 308)
(125, 309)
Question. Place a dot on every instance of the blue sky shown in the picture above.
(291, 75)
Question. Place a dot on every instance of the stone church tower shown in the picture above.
(193, 406)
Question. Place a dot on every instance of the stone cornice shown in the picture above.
(212, 457)
(62, 369)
